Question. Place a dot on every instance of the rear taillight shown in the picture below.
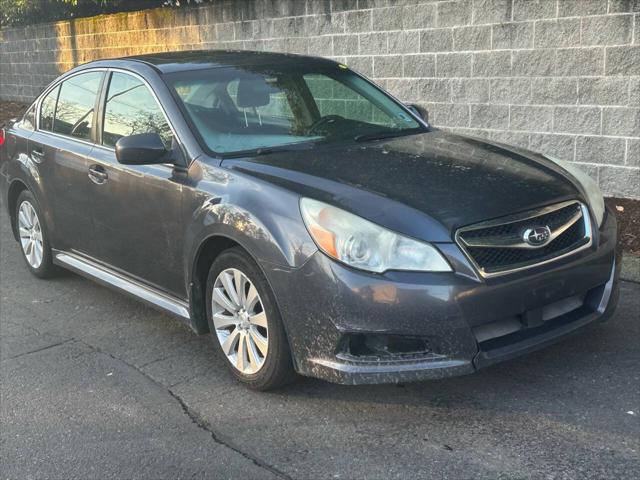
(2, 136)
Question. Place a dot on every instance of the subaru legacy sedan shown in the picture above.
(307, 220)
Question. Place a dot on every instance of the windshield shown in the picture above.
(253, 108)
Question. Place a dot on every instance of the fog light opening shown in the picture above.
(375, 345)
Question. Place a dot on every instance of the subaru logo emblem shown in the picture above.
(537, 236)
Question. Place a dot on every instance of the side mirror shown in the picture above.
(141, 149)
(419, 111)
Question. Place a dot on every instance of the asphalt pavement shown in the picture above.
(96, 385)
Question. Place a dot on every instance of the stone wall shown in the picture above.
(560, 76)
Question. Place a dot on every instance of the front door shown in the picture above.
(137, 209)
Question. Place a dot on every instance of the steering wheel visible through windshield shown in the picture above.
(248, 109)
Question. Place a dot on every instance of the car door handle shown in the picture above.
(97, 174)
(37, 154)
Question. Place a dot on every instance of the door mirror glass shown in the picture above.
(142, 149)
(419, 111)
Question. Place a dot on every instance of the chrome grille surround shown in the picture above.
(515, 243)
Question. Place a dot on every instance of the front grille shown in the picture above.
(499, 246)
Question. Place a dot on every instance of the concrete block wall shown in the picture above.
(559, 76)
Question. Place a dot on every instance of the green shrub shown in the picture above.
(27, 12)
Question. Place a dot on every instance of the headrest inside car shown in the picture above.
(253, 93)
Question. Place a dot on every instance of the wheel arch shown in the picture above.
(205, 254)
(208, 250)
(15, 189)
(268, 233)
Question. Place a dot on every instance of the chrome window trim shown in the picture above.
(51, 87)
(153, 94)
(107, 70)
(588, 230)
(65, 137)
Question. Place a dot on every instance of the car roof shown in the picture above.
(168, 62)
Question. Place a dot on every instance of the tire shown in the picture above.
(246, 325)
(38, 259)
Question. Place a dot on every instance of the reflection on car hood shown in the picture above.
(454, 180)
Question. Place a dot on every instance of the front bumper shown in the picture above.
(464, 322)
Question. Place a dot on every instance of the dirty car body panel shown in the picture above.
(153, 230)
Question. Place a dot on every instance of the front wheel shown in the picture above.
(245, 322)
(36, 250)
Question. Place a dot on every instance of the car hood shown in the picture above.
(453, 180)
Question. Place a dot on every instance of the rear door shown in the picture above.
(60, 146)
(136, 209)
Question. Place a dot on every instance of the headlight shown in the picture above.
(365, 245)
(594, 195)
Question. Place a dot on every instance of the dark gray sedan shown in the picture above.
(304, 217)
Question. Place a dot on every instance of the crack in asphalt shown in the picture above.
(182, 382)
(47, 347)
(155, 360)
(205, 426)
(195, 419)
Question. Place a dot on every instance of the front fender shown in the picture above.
(268, 235)
(262, 218)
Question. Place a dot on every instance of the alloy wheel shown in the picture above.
(30, 234)
(240, 321)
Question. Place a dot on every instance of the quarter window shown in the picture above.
(75, 110)
(29, 119)
(48, 109)
(131, 109)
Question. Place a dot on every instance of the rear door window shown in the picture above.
(131, 109)
(48, 109)
(75, 113)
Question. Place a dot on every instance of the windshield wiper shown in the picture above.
(254, 152)
(365, 137)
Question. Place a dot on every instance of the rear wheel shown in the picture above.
(245, 322)
(34, 242)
